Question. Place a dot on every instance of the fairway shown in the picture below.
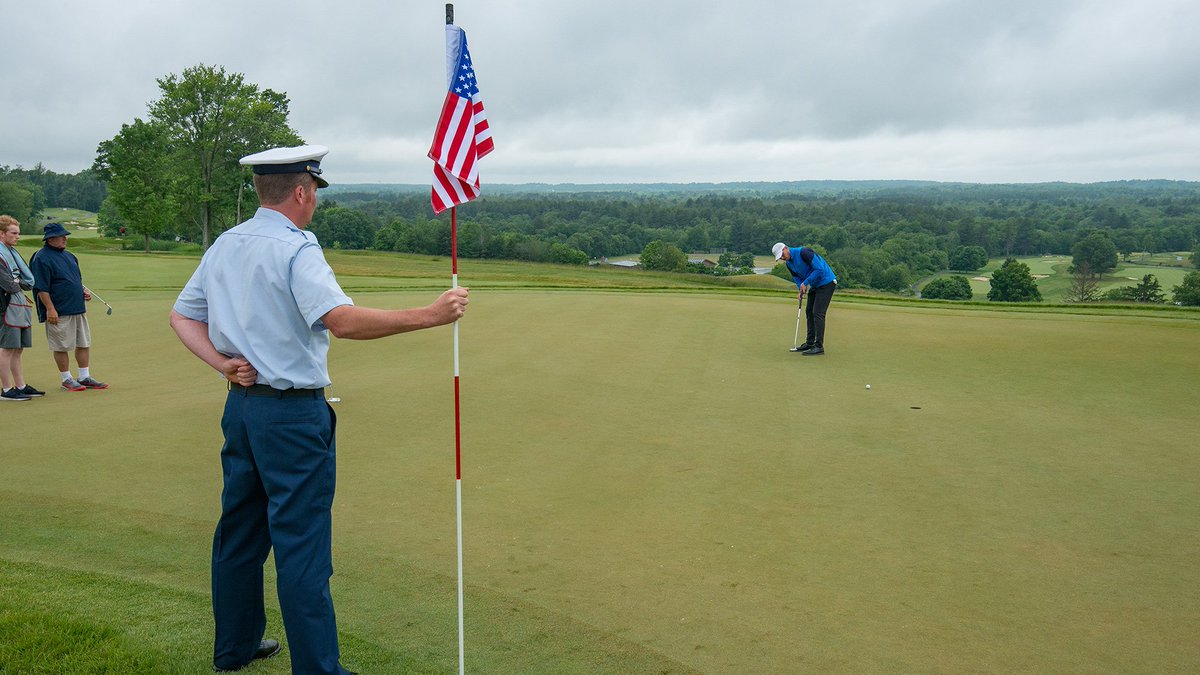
(81, 224)
(652, 483)
(1053, 276)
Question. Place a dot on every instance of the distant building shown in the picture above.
(702, 261)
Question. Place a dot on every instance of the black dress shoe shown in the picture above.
(815, 351)
(804, 347)
(266, 649)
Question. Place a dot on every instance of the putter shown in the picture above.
(796, 337)
(109, 312)
(332, 398)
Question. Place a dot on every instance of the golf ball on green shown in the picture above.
(868, 386)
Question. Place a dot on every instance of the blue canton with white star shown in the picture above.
(464, 81)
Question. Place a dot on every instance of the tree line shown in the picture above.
(24, 193)
(879, 240)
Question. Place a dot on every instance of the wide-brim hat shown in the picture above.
(298, 159)
(54, 230)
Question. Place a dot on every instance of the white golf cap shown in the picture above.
(777, 249)
(298, 159)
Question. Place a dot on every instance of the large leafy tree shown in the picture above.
(954, 287)
(660, 255)
(109, 219)
(17, 200)
(1097, 251)
(205, 121)
(213, 119)
(968, 258)
(893, 278)
(137, 164)
(1188, 293)
(1149, 290)
(1013, 282)
(566, 255)
(20, 196)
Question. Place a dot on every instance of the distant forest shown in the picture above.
(877, 234)
(25, 192)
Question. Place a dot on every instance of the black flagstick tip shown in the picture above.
(449, 13)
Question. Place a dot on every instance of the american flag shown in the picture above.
(462, 136)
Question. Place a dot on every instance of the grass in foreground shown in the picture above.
(102, 589)
(57, 621)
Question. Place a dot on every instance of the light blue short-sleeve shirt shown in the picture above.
(262, 288)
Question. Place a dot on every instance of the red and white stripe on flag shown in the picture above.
(462, 136)
(449, 190)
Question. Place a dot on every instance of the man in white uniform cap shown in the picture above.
(259, 309)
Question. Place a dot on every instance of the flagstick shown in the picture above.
(457, 439)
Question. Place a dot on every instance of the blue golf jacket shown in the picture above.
(809, 268)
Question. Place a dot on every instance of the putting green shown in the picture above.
(653, 483)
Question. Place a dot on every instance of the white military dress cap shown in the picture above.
(298, 159)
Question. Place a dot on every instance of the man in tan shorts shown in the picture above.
(60, 294)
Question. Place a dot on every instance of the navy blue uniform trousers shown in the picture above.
(279, 468)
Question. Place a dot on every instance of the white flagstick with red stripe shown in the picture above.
(461, 138)
(462, 195)
(457, 436)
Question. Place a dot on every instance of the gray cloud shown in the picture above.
(627, 90)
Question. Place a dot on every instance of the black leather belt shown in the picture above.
(266, 391)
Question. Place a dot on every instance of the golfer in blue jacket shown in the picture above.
(814, 277)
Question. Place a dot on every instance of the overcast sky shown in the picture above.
(590, 91)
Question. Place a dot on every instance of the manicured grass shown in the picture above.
(1167, 259)
(1055, 275)
(81, 224)
(651, 483)
(373, 271)
(1131, 275)
(59, 621)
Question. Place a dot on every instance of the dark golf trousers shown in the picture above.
(279, 469)
(814, 313)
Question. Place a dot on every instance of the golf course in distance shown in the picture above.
(652, 483)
